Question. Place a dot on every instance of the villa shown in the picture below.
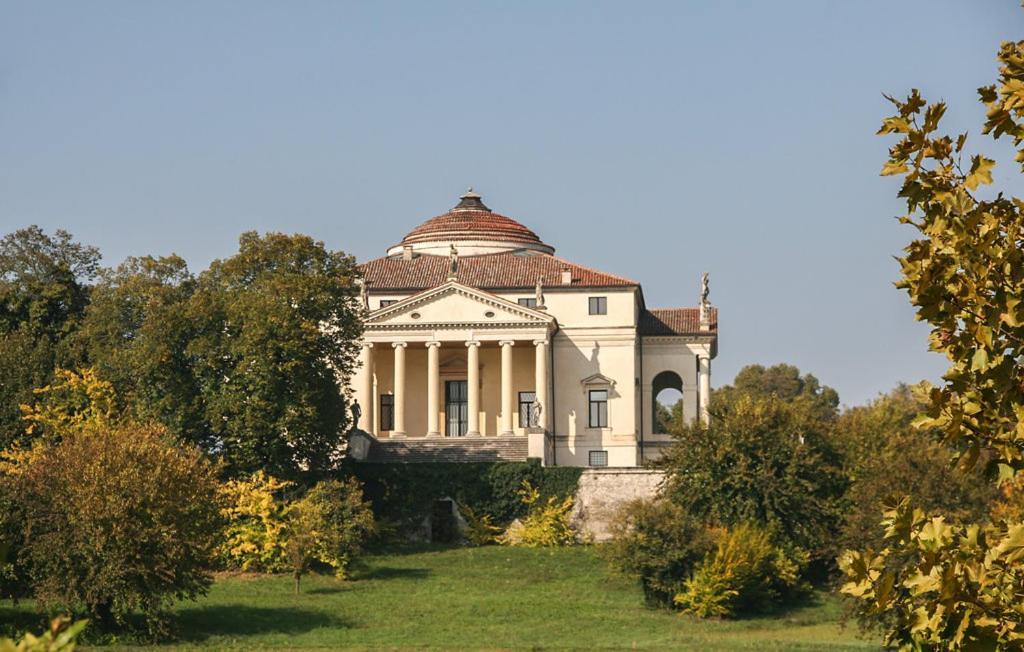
(481, 344)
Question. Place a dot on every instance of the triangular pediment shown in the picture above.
(456, 304)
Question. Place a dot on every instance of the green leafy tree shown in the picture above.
(936, 585)
(874, 440)
(784, 382)
(135, 333)
(277, 326)
(43, 293)
(760, 460)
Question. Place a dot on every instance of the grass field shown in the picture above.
(478, 598)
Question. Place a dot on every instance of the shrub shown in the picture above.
(341, 519)
(116, 520)
(59, 638)
(658, 543)
(746, 572)
(480, 529)
(254, 539)
(545, 524)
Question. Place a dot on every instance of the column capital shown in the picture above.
(399, 344)
(430, 344)
(367, 345)
(507, 343)
(473, 343)
(540, 342)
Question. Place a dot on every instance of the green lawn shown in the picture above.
(479, 598)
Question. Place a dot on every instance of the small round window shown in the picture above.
(489, 314)
(415, 315)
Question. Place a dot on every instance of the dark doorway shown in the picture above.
(442, 522)
(456, 408)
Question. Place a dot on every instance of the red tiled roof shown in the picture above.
(507, 270)
(675, 321)
(462, 224)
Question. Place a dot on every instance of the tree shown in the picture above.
(43, 292)
(935, 585)
(277, 327)
(784, 382)
(111, 516)
(874, 440)
(760, 460)
(135, 333)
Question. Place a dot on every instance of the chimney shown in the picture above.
(407, 252)
(566, 276)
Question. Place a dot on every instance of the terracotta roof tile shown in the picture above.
(461, 224)
(675, 321)
(507, 270)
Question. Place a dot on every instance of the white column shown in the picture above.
(704, 378)
(473, 387)
(366, 394)
(433, 383)
(506, 387)
(399, 428)
(540, 374)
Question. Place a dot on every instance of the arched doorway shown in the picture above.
(666, 401)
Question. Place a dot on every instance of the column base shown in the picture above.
(397, 435)
(474, 433)
(507, 433)
(433, 435)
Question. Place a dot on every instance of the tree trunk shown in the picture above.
(298, 579)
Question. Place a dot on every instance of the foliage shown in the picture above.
(546, 523)
(277, 326)
(956, 587)
(658, 543)
(761, 460)
(43, 292)
(135, 332)
(256, 514)
(341, 520)
(874, 440)
(746, 572)
(480, 528)
(784, 382)
(405, 493)
(73, 401)
(59, 638)
(116, 520)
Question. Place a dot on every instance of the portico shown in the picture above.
(455, 362)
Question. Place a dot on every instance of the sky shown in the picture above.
(655, 140)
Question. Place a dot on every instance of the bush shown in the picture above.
(480, 529)
(658, 543)
(342, 520)
(115, 519)
(545, 524)
(255, 510)
(746, 572)
(59, 638)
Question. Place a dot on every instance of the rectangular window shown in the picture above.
(598, 458)
(387, 412)
(598, 408)
(526, 419)
(384, 303)
(528, 303)
(599, 305)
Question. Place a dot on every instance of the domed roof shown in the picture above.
(474, 229)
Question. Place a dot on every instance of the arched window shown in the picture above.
(666, 401)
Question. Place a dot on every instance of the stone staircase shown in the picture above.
(449, 449)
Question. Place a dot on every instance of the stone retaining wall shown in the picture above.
(602, 491)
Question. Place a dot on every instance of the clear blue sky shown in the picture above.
(655, 140)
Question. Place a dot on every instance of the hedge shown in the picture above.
(403, 492)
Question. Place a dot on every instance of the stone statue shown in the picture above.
(357, 413)
(453, 263)
(704, 289)
(538, 292)
(364, 296)
(535, 410)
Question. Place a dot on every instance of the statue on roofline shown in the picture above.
(453, 263)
